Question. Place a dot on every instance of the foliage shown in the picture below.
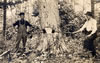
(70, 21)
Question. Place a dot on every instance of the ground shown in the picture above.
(33, 56)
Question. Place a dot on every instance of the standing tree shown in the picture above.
(49, 14)
(92, 7)
(50, 21)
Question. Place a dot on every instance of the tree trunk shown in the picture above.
(92, 7)
(4, 22)
(49, 13)
(50, 21)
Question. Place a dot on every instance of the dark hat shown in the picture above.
(21, 13)
(89, 14)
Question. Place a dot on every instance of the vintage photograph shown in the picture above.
(49, 31)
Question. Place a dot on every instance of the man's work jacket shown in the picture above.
(22, 27)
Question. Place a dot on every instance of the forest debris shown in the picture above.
(5, 53)
(1, 57)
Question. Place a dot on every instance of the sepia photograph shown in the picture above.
(49, 31)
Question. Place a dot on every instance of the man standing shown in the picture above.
(90, 30)
(22, 30)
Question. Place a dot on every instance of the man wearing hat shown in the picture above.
(89, 29)
(22, 30)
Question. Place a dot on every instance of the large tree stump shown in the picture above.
(50, 21)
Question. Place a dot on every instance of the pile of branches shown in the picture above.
(70, 21)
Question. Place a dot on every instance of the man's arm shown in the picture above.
(28, 24)
(16, 23)
(81, 29)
